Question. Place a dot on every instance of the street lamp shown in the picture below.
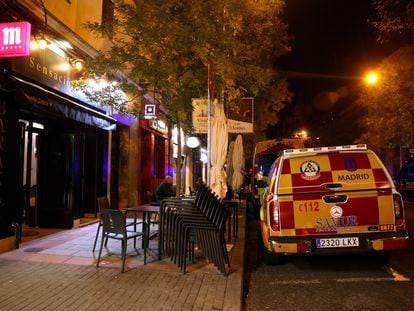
(192, 142)
(371, 78)
(302, 134)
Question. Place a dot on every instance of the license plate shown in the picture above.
(337, 242)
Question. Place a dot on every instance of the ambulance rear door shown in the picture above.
(335, 192)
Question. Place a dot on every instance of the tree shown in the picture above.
(394, 18)
(390, 115)
(166, 45)
(390, 112)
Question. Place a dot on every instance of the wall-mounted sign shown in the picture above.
(47, 67)
(150, 111)
(15, 39)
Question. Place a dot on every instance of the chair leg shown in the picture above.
(96, 237)
(100, 249)
(144, 237)
(124, 244)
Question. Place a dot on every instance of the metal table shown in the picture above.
(147, 210)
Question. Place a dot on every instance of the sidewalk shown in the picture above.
(58, 272)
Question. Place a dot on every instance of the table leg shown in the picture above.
(144, 229)
(236, 220)
(229, 223)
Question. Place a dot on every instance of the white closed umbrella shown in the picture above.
(238, 164)
(219, 140)
(229, 162)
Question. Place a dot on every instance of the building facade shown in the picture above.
(59, 151)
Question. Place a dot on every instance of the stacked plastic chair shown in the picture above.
(186, 224)
(168, 208)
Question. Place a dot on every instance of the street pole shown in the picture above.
(209, 82)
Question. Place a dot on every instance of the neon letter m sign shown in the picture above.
(15, 39)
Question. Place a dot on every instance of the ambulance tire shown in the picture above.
(272, 259)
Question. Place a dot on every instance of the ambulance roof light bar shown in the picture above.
(318, 149)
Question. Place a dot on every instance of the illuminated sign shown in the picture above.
(15, 39)
(150, 112)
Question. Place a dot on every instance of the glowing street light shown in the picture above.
(372, 78)
(303, 134)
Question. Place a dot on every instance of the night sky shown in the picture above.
(334, 45)
(331, 36)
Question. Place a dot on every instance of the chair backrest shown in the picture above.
(113, 221)
(103, 203)
(202, 191)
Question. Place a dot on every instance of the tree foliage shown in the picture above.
(271, 104)
(389, 120)
(166, 45)
(395, 17)
(389, 104)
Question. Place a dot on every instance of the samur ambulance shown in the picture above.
(330, 200)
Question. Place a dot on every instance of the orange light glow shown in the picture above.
(372, 78)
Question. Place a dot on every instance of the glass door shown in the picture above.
(30, 171)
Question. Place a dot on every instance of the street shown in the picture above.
(351, 282)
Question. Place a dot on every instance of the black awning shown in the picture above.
(38, 99)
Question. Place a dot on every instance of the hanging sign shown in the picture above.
(15, 39)
(240, 115)
(200, 115)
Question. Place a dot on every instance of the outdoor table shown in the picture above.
(146, 210)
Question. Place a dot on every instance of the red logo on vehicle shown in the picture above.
(310, 170)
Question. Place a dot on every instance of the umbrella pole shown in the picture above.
(209, 82)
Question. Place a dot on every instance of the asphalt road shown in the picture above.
(354, 282)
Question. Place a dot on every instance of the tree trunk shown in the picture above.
(178, 168)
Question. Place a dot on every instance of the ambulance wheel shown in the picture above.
(270, 258)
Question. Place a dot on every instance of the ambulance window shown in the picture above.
(275, 167)
(265, 162)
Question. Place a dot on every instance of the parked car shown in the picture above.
(404, 180)
(330, 200)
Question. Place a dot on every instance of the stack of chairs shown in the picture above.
(186, 224)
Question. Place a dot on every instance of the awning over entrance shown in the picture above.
(41, 100)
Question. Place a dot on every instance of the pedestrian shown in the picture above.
(199, 183)
(164, 189)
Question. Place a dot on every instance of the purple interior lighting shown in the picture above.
(125, 119)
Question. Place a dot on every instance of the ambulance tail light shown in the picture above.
(274, 215)
(398, 209)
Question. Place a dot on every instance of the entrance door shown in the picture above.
(55, 179)
(30, 168)
(90, 174)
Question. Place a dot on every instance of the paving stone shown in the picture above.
(57, 273)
